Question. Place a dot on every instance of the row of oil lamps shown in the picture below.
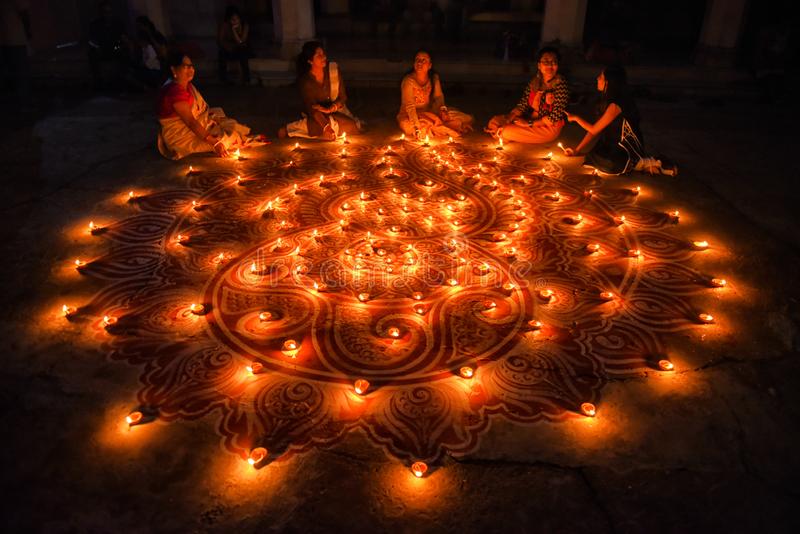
(257, 455)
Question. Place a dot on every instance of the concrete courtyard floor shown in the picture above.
(712, 446)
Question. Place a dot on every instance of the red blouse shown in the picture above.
(171, 93)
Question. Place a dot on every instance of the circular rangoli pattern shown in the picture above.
(409, 267)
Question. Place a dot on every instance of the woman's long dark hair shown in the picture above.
(175, 57)
(548, 50)
(539, 55)
(431, 73)
(617, 90)
(230, 11)
(306, 53)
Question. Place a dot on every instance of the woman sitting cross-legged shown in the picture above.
(539, 116)
(422, 110)
(620, 145)
(325, 113)
(188, 125)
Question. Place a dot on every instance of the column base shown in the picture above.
(290, 48)
(715, 56)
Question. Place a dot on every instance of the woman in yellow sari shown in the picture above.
(188, 125)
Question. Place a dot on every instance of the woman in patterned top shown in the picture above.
(620, 145)
(540, 113)
(422, 110)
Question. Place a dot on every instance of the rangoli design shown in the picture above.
(455, 283)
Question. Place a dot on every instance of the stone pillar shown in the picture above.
(563, 22)
(294, 24)
(722, 27)
(153, 9)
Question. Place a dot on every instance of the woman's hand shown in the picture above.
(430, 117)
(570, 152)
(220, 150)
(327, 133)
(444, 114)
(333, 108)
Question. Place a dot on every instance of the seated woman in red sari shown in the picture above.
(620, 146)
(322, 90)
(540, 114)
(188, 125)
(422, 110)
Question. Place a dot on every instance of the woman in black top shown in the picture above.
(620, 145)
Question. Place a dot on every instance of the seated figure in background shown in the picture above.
(322, 90)
(233, 38)
(539, 116)
(150, 57)
(422, 110)
(188, 125)
(109, 50)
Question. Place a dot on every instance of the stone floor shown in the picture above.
(711, 446)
